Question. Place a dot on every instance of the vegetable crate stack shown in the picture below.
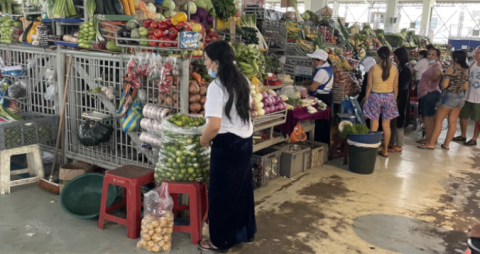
(181, 157)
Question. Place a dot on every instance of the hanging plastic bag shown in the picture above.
(132, 64)
(181, 156)
(17, 90)
(50, 93)
(167, 73)
(157, 223)
(154, 73)
(298, 134)
(142, 64)
(50, 75)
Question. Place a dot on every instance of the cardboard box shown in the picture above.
(72, 170)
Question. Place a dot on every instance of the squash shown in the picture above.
(32, 31)
(93, 134)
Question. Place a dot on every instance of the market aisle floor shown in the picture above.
(415, 202)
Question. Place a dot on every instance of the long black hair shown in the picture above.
(384, 54)
(402, 56)
(233, 81)
(423, 53)
(460, 57)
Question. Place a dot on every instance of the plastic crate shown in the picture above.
(268, 161)
(37, 128)
(316, 157)
(293, 161)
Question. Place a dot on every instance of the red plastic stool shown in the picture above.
(132, 178)
(198, 206)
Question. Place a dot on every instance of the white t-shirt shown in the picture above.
(217, 98)
(421, 67)
(473, 92)
(322, 78)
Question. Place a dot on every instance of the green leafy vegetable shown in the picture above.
(224, 8)
(357, 128)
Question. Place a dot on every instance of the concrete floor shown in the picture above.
(415, 202)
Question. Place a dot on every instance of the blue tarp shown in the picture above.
(457, 43)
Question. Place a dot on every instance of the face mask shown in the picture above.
(212, 73)
(431, 61)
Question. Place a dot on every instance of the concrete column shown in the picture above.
(391, 15)
(426, 16)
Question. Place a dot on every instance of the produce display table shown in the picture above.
(300, 115)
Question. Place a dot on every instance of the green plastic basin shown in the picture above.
(81, 197)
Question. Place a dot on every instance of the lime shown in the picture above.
(174, 165)
(196, 165)
(156, 175)
(191, 170)
(182, 165)
(193, 154)
(168, 165)
(179, 153)
(168, 174)
(172, 178)
(191, 179)
(181, 176)
(170, 160)
(183, 171)
(179, 160)
(199, 171)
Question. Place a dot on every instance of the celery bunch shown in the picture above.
(63, 9)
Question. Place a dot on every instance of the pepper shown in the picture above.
(158, 33)
(172, 33)
(147, 23)
(152, 43)
(162, 25)
(154, 24)
(164, 38)
(169, 23)
(151, 30)
(183, 26)
(179, 17)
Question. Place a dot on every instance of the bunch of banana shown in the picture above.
(343, 63)
(293, 30)
(304, 46)
(250, 60)
(309, 32)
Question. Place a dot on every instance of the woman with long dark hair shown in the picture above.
(428, 92)
(400, 57)
(455, 83)
(381, 95)
(229, 132)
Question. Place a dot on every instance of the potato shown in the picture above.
(163, 222)
(203, 90)
(203, 100)
(151, 232)
(164, 230)
(194, 88)
(155, 223)
(150, 243)
(194, 98)
(141, 244)
(156, 248)
(148, 248)
(157, 238)
(167, 238)
(168, 216)
(170, 230)
(167, 247)
(169, 101)
(195, 107)
(150, 226)
(147, 237)
(174, 97)
(158, 230)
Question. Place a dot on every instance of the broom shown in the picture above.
(45, 184)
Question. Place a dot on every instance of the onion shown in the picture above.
(259, 105)
(282, 106)
(272, 109)
(264, 94)
(74, 39)
(276, 108)
(265, 101)
(267, 110)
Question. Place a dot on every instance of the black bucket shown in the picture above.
(361, 160)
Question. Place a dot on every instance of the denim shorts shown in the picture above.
(453, 100)
(428, 103)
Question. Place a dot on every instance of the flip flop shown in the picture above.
(442, 146)
(424, 147)
(459, 139)
(381, 154)
(392, 150)
(422, 141)
(471, 142)
(210, 247)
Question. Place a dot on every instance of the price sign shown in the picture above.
(303, 71)
(189, 40)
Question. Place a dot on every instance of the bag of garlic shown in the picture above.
(157, 223)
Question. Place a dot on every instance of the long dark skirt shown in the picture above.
(322, 127)
(230, 197)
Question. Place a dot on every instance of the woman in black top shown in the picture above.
(400, 56)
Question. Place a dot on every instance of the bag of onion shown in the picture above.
(157, 224)
(181, 156)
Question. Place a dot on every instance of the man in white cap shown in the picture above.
(322, 84)
(321, 87)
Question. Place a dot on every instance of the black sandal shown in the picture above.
(445, 147)
(210, 247)
(471, 142)
(459, 139)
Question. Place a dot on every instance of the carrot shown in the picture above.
(126, 7)
(197, 77)
(132, 7)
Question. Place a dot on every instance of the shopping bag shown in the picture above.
(131, 120)
(157, 225)
(298, 134)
